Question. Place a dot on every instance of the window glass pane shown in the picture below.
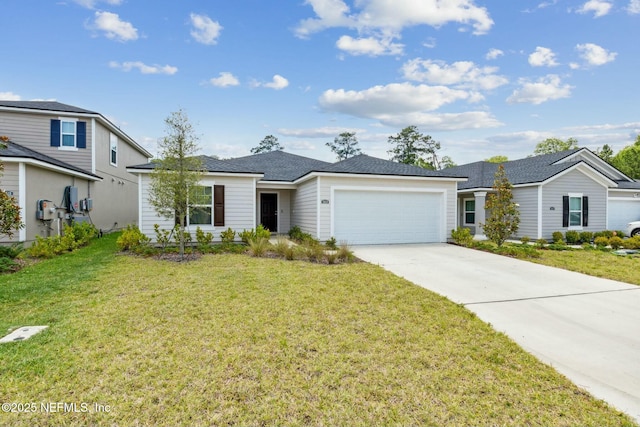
(575, 203)
(470, 218)
(114, 157)
(470, 205)
(200, 215)
(575, 218)
(68, 140)
(203, 196)
(68, 127)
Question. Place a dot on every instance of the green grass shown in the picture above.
(233, 339)
(594, 263)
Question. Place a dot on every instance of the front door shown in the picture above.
(269, 211)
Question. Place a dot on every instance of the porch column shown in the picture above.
(480, 199)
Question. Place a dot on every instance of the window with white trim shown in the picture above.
(201, 206)
(68, 134)
(113, 149)
(575, 210)
(469, 211)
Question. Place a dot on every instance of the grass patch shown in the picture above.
(232, 339)
(594, 263)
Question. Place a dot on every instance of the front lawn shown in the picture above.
(231, 339)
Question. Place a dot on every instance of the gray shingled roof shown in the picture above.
(628, 185)
(45, 106)
(367, 165)
(529, 170)
(18, 151)
(279, 166)
(210, 164)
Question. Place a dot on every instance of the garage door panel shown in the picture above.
(622, 212)
(370, 217)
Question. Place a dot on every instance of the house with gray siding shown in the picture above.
(63, 164)
(570, 190)
(361, 200)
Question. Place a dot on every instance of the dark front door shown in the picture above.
(269, 211)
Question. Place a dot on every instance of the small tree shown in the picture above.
(177, 172)
(345, 145)
(555, 145)
(413, 148)
(504, 218)
(497, 159)
(605, 153)
(10, 219)
(269, 143)
(628, 160)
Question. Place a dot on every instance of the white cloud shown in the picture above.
(634, 7)
(598, 7)
(443, 122)
(594, 54)
(113, 27)
(396, 98)
(144, 68)
(391, 17)
(463, 74)
(321, 132)
(9, 96)
(370, 46)
(278, 82)
(91, 4)
(544, 89)
(225, 79)
(205, 30)
(543, 57)
(494, 54)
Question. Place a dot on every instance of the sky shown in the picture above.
(483, 78)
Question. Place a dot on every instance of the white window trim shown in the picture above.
(75, 136)
(465, 211)
(576, 196)
(203, 206)
(113, 137)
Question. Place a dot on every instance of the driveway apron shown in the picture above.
(585, 327)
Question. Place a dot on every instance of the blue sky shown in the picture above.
(483, 78)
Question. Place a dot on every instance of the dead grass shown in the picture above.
(232, 339)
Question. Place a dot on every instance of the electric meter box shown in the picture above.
(45, 210)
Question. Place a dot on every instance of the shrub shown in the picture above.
(344, 253)
(615, 242)
(131, 239)
(462, 236)
(331, 243)
(228, 235)
(258, 247)
(176, 236)
(315, 253)
(8, 264)
(259, 233)
(541, 243)
(281, 246)
(203, 239)
(557, 237)
(163, 237)
(297, 235)
(586, 236)
(525, 239)
(572, 237)
(331, 257)
(517, 251)
(263, 233)
(632, 242)
(620, 233)
(11, 252)
(601, 241)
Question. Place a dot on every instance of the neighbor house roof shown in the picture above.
(16, 151)
(50, 107)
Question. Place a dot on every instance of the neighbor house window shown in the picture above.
(113, 150)
(575, 211)
(201, 206)
(469, 211)
(68, 134)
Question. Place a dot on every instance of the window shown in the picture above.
(113, 150)
(68, 134)
(575, 211)
(469, 211)
(201, 206)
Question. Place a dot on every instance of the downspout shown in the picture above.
(540, 212)
(318, 205)
(22, 199)
(93, 145)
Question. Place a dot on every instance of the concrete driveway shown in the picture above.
(585, 327)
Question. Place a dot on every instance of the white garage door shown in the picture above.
(377, 217)
(622, 212)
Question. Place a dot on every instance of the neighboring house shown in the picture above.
(570, 190)
(361, 200)
(65, 163)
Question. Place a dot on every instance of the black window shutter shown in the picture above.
(585, 211)
(565, 211)
(81, 134)
(218, 205)
(55, 133)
